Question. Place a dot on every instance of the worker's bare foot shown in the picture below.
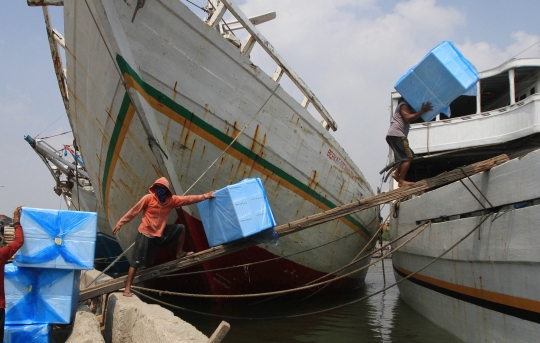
(404, 183)
(182, 254)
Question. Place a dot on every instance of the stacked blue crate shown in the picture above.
(237, 211)
(57, 239)
(36, 295)
(42, 286)
(440, 77)
(37, 333)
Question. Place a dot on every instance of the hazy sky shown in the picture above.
(350, 53)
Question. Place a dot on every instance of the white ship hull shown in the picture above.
(486, 288)
(187, 83)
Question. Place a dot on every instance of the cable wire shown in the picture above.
(323, 310)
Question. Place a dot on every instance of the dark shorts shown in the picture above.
(145, 248)
(400, 146)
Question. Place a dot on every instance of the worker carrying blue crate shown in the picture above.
(154, 232)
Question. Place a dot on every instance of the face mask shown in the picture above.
(161, 193)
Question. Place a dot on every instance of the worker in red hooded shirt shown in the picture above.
(154, 231)
(5, 254)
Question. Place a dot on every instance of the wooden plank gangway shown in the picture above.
(298, 225)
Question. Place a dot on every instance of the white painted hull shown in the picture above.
(202, 92)
(497, 126)
(485, 289)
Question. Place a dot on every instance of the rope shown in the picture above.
(323, 310)
(50, 125)
(60, 134)
(353, 261)
(112, 264)
(251, 295)
(265, 261)
(230, 144)
(427, 138)
(479, 191)
(201, 8)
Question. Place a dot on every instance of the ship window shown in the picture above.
(533, 90)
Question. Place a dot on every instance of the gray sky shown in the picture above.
(350, 53)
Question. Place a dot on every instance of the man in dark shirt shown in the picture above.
(5, 254)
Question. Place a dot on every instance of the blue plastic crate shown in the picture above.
(440, 77)
(57, 239)
(35, 333)
(237, 211)
(37, 295)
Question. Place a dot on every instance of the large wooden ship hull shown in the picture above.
(164, 94)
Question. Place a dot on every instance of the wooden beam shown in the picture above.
(247, 45)
(217, 16)
(45, 2)
(305, 102)
(298, 225)
(57, 60)
(263, 42)
(278, 74)
(220, 333)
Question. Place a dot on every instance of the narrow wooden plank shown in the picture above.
(220, 332)
(298, 225)
(217, 16)
(278, 74)
(45, 3)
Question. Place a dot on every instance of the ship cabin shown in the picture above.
(500, 115)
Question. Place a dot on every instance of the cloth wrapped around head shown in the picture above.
(161, 192)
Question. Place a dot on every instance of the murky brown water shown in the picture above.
(382, 318)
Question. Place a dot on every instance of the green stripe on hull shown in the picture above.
(189, 116)
(114, 140)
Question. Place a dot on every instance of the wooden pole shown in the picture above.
(382, 259)
(295, 226)
(220, 332)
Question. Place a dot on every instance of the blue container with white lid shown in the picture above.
(440, 77)
(35, 333)
(237, 211)
(38, 295)
(57, 239)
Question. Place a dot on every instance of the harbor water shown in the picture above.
(381, 318)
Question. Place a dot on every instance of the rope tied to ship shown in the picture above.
(479, 191)
(110, 265)
(233, 141)
(265, 261)
(484, 218)
(308, 286)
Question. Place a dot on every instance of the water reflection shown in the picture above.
(383, 318)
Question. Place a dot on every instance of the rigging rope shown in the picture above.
(234, 140)
(60, 134)
(50, 125)
(227, 296)
(323, 310)
(112, 263)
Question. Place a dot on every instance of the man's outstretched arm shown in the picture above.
(141, 205)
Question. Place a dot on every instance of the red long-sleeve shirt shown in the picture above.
(5, 254)
(156, 213)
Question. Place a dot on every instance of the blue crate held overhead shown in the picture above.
(37, 295)
(57, 239)
(35, 333)
(440, 77)
(237, 211)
